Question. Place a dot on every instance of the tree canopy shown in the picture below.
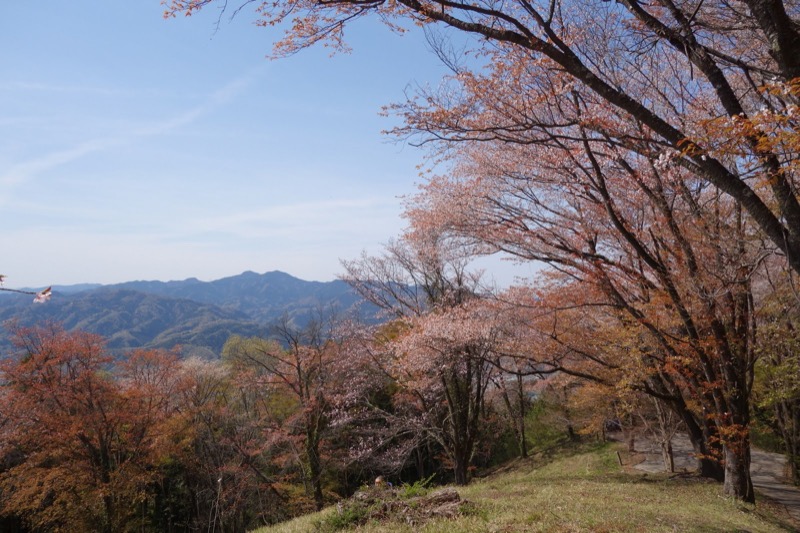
(711, 86)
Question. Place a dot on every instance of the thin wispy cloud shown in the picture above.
(29, 86)
(325, 215)
(28, 170)
(146, 150)
(217, 99)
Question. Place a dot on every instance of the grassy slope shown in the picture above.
(587, 491)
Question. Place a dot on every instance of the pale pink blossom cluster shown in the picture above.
(41, 296)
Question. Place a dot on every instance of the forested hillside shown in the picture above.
(198, 316)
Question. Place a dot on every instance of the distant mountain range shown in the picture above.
(196, 315)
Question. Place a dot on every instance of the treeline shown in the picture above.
(458, 377)
(275, 428)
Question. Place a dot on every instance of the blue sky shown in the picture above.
(133, 147)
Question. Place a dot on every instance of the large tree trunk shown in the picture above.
(461, 469)
(464, 391)
(736, 450)
(708, 451)
(701, 437)
(737, 471)
(462, 455)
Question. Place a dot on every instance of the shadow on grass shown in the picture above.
(541, 457)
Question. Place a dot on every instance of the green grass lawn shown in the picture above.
(586, 491)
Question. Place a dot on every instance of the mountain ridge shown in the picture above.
(196, 315)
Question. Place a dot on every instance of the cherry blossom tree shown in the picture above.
(649, 151)
(646, 236)
(442, 355)
(710, 85)
(572, 331)
(302, 366)
(446, 359)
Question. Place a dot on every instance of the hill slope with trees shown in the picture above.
(196, 315)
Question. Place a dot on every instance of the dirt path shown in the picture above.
(766, 469)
